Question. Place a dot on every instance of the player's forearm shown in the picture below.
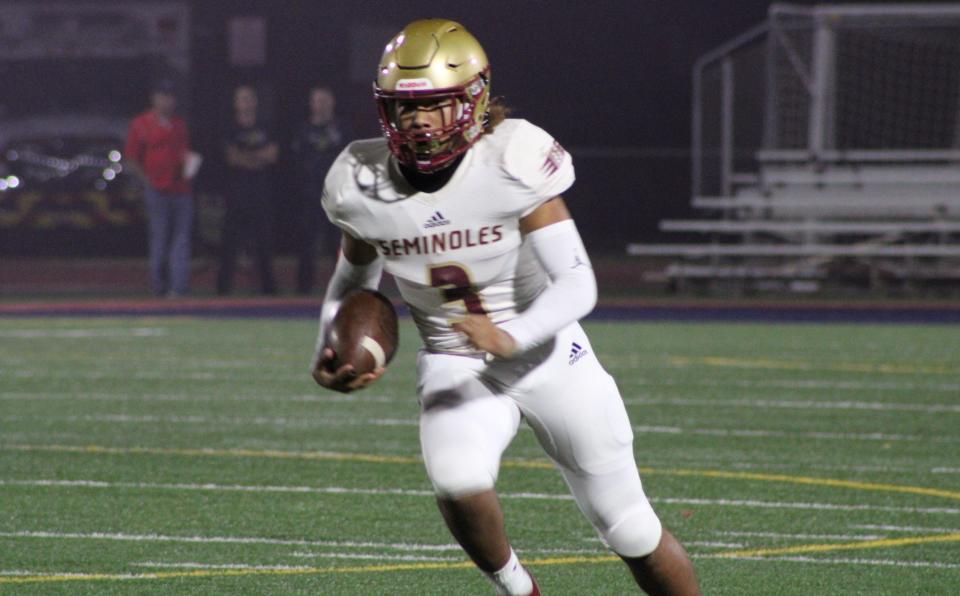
(347, 277)
(572, 293)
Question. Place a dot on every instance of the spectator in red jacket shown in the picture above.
(157, 150)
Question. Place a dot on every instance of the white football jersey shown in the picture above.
(457, 250)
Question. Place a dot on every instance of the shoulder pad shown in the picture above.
(537, 160)
(355, 175)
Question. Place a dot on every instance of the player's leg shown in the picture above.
(577, 413)
(616, 505)
(464, 429)
(667, 570)
(476, 521)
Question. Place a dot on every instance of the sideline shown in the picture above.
(610, 309)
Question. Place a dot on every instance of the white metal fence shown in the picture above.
(827, 84)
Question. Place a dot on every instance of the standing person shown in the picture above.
(157, 146)
(315, 146)
(251, 151)
(462, 206)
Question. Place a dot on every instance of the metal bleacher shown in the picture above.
(815, 158)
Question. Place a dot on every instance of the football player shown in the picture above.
(462, 206)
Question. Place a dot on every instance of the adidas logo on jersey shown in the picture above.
(576, 353)
(437, 219)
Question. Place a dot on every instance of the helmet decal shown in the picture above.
(414, 84)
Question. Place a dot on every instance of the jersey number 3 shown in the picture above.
(454, 283)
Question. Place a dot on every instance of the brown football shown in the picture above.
(364, 332)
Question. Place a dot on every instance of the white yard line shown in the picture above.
(366, 556)
(280, 421)
(813, 405)
(305, 555)
(196, 398)
(62, 574)
(191, 565)
(761, 433)
(807, 466)
(427, 493)
(522, 551)
(700, 462)
(835, 561)
(217, 487)
(83, 333)
(156, 373)
(240, 566)
(804, 384)
(405, 547)
(807, 404)
(814, 506)
(843, 537)
(122, 537)
(306, 422)
(911, 529)
(711, 544)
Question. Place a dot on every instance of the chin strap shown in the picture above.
(572, 293)
(346, 278)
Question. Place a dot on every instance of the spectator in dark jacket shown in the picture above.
(315, 147)
(251, 151)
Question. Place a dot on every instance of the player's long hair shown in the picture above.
(497, 112)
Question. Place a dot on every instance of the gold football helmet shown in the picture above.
(433, 61)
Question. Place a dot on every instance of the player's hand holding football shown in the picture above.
(345, 378)
(486, 336)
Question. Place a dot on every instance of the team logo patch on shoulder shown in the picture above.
(437, 219)
(577, 352)
(554, 159)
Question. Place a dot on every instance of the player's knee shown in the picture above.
(453, 476)
(635, 533)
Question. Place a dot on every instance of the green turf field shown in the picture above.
(196, 456)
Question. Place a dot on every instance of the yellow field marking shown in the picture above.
(33, 579)
(508, 463)
(762, 363)
(268, 453)
(822, 548)
(831, 482)
(739, 362)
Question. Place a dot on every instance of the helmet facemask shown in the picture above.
(432, 149)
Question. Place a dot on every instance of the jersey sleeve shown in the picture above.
(539, 163)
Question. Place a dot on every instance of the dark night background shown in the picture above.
(611, 80)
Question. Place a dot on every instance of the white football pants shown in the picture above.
(471, 410)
